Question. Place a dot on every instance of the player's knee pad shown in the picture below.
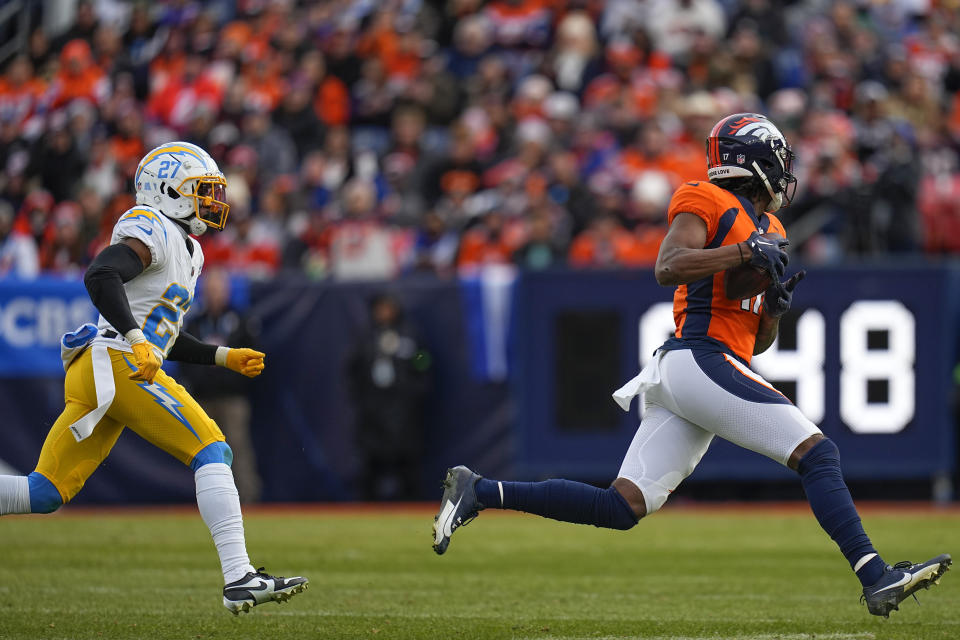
(824, 455)
(44, 497)
(614, 512)
(215, 452)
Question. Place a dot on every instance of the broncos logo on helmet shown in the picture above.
(748, 145)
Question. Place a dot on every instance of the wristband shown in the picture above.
(134, 336)
(220, 358)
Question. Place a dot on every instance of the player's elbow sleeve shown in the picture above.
(188, 349)
(104, 280)
(116, 262)
(107, 294)
(97, 278)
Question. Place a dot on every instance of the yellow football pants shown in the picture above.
(162, 413)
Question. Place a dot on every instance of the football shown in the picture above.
(745, 281)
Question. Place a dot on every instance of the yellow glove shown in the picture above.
(243, 360)
(147, 357)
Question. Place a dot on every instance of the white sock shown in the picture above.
(220, 509)
(14, 495)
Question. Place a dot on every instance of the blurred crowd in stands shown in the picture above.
(370, 139)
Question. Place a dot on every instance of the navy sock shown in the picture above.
(833, 507)
(488, 493)
(561, 500)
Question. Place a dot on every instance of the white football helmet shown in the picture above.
(182, 181)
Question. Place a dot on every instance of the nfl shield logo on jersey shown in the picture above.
(741, 158)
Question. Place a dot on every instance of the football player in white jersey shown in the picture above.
(143, 284)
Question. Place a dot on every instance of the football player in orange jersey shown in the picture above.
(699, 384)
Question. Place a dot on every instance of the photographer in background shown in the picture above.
(388, 381)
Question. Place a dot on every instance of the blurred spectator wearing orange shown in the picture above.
(79, 76)
(548, 113)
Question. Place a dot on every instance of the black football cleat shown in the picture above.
(900, 581)
(458, 506)
(258, 587)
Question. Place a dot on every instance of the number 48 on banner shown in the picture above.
(877, 353)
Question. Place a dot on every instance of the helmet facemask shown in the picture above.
(210, 200)
(783, 189)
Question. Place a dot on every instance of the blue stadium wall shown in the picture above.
(522, 374)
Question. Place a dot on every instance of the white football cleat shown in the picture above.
(259, 587)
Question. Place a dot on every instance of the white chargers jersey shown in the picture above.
(163, 292)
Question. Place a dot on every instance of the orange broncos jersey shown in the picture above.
(700, 309)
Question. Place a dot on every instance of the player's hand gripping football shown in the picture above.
(245, 361)
(779, 295)
(766, 253)
(147, 358)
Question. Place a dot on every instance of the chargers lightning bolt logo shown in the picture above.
(149, 216)
(162, 397)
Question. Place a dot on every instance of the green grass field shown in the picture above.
(681, 574)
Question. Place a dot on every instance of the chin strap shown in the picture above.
(197, 226)
(776, 198)
(775, 203)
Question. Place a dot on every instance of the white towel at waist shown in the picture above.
(73, 344)
(648, 377)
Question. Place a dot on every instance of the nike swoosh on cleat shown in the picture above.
(262, 587)
(927, 573)
(906, 579)
(445, 519)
